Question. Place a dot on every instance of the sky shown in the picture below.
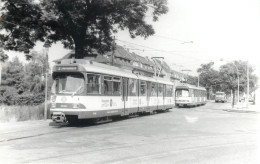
(195, 32)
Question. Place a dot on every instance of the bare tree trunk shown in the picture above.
(233, 102)
(79, 51)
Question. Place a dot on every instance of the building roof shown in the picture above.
(97, 58)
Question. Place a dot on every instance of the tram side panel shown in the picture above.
(153, 102)
(131, 103)
(169, 97)
(143, 96)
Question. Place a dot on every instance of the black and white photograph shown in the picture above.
(130, 81)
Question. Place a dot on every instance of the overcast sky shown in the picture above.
(228, 29)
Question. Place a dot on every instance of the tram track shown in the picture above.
(76, 129)
(177, 139)
(153, 156)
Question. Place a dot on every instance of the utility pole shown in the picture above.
(0, 72)
(247, 95)
(198, 80)
(46, 46)
(113, 50)
(0, 64)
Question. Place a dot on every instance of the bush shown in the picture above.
(31, 99)
(8, 95)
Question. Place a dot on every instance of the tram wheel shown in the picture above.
(72, 120)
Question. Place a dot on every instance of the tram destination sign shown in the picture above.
(67, 68)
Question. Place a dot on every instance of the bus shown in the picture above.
(220, 97)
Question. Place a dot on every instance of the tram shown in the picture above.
(189, 96)
(84, 89)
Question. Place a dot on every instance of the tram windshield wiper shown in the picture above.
(81, 85)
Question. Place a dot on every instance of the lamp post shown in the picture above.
(46, 46)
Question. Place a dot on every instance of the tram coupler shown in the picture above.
(58, 117)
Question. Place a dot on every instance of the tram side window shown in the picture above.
(182, 93)
(168, 90)
(160, 90)
(132, 87)
(195, 93)
(108, 85)
(116, 86)
(93, 84)
(143, 88)
(191, 92)
(153, 89)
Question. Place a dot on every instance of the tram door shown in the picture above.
(125, 96)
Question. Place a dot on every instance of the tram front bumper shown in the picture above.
(58, 117)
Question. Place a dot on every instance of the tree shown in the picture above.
(192, 80)
(208, 76)
(85, 25)
(13, 74)
(24, 85)
(229, 79)
(3, 56)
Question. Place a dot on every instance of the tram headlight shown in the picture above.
(75, 105)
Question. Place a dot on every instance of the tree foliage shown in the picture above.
(85, 25)
(3, 56)
(207, 75)
(24, 84)
(229, 76)
(226, 78)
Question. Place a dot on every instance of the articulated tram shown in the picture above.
(189, 96)
(84, 89)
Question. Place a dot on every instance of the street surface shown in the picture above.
(205, 134)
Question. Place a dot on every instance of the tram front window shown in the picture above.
(68, 84)
(182, 93)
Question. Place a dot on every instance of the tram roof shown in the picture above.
(90, 66)
(189, 87)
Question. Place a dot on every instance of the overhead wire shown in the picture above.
(160, 50)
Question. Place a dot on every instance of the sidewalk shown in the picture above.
(241, 107)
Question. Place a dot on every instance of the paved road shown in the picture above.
(206, 134)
